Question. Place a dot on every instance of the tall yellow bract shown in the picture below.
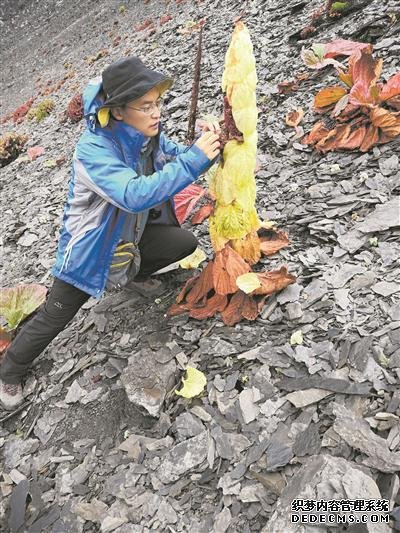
(227, 284)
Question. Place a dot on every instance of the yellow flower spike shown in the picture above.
(193, 384)
(239, 59)
(235, 218)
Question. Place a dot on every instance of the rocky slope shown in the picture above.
(279, 421)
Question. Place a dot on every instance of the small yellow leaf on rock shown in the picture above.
(248, 282)
(267, 224)
(297, 337)
(193, 260)
(193, 384)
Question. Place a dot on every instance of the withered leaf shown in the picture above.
(294, 117)
(248, 247)
(178, 309)
(391, 88)
(388, 121)
(213, 305)
(328, 96)
(274, 281)
(318, 132)
(202, 287)
(371, 138)
(228, 265)
(273, 242)
(344, 47)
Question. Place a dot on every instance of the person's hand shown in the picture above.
(209, 144)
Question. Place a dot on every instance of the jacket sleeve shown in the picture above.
(171, 148)
(98, 167)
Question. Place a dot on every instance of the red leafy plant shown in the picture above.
(186, 200)
(363, 111)
(321, 54)
(18, 115)
(16, 304)
(75, 108)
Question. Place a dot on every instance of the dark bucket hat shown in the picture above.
(129, 79)
(126, 80)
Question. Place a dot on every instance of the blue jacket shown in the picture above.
(106, 185)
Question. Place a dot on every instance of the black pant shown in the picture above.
(159, 247)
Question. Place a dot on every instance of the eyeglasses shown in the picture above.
(149, 108)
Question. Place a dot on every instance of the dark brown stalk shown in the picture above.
(195, 88)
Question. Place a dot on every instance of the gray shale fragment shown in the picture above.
(147, 381)
(222, 521)
(330, 384)
(384, 216)
(323, 477)
(302, 398)
(314, 292)
(183, 457)
(357, 433)
(386, 288)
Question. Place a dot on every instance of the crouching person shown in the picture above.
(119, 224)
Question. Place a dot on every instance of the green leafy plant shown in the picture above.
(337, 7)
(41, 111)
(18, 302)
(11, 145)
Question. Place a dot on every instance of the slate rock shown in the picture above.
(183, 457)
(222, 521)
(17, 505)
(188, 425)
(357, 433)
(323, 477)
(289, 294)
(15, 448)
(302, 398)
(337, 277)
(279, 450)
(307, 442)
(247, 399)
(352, 240)
(273, 481)
(95, 511)
(389, 165)
(384, 216)
(166, 514)
(147, 381)
(294, 310)
(330, 384)
(314, 292)
(386, 288)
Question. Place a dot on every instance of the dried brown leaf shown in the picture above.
(273, 242)
(228, 265)
(213, 305)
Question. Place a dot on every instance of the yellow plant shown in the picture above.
(233, 185)
(41, 111)
(227, 285)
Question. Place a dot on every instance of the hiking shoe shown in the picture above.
(10, 395)
(149, 287)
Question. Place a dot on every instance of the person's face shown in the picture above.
(134, 113)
